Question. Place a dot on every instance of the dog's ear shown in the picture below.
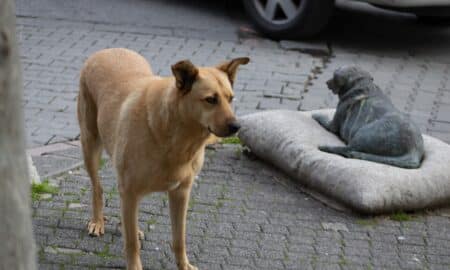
(185, 75)
(230, 67)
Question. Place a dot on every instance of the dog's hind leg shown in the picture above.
(92, 150)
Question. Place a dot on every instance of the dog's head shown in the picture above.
(344, 78)
(206, 94)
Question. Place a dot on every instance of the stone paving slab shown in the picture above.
(243, 214)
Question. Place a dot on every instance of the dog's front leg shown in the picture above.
(129, 206)
(178, 202)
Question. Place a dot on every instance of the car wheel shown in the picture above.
(281, 19)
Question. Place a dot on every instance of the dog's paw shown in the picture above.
(141, 235)
(186, 266)
(190, 267)
(96, 228)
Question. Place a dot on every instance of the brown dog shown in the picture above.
(155, 130)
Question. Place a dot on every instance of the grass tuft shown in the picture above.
(105, 253)
(42, 188)
(152, 221)
(367, 221)
(231, 140)
(400, 216)
(103, 162)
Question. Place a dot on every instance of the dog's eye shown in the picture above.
(231, 99)
(212, 100)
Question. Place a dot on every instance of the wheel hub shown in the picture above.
(278, 11)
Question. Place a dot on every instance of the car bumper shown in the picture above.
(408, 3)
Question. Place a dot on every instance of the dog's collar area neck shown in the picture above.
(210, 131)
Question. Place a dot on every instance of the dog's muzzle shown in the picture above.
(233, 127)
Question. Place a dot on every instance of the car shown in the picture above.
(281, 19)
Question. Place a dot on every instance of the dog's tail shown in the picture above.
(91, 143)
(86, 111)
(410, 160)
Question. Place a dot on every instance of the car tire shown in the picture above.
(289, 19)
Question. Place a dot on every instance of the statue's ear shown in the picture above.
(185, 75)
(230, 67)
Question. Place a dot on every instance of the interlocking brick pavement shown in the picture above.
(53, 53)
(243, 214)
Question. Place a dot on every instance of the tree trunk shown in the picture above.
(17, 250)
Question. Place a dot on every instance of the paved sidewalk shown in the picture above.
(53, 52)
(243, 215)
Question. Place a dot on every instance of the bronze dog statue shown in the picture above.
(370, 125)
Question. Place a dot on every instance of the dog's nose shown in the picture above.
(234, 127)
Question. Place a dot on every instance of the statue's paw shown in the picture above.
(321, 119)
(317, 116)
(344, 151)
(324, 148)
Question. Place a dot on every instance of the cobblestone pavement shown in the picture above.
(53, 53)
(243, 214)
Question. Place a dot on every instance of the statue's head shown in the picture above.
(345, 78)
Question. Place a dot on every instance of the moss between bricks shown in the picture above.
(105, 253)
(231, 140)
(152, 221)
(191, 203)
(400, 216)
(83, 191)
(367, 222)
(103, 162)
(42, 188)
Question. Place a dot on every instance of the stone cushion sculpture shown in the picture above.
(289, 140)
(369, 123)
(292, 140)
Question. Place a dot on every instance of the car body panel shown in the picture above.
(408, 3)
